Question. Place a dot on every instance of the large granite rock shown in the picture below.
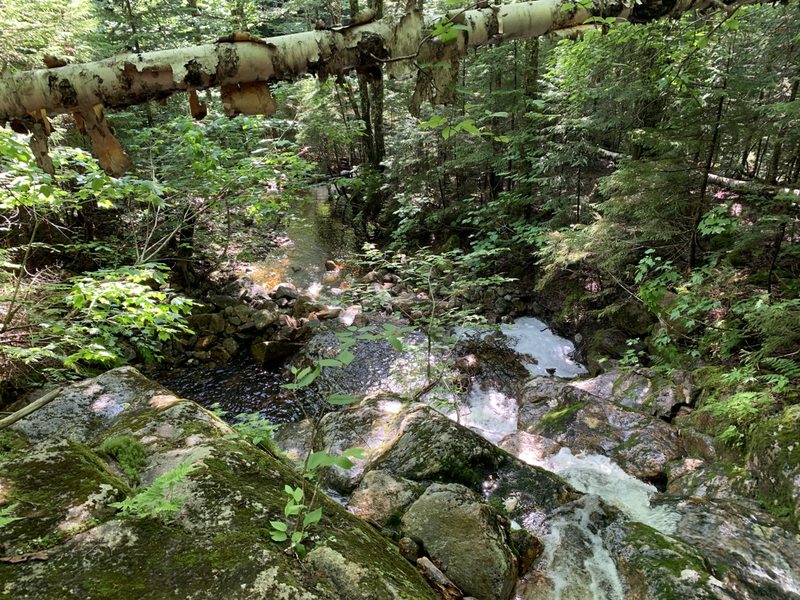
(754, 553)
(382, 499)
(69, 543)
(640, 444)
(464, 536)
(645, 390)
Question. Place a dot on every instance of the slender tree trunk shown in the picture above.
(700, 208)
(774, 164)
(776, 249)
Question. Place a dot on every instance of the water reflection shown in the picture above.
(240, 386)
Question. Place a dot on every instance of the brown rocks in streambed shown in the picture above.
(266, 352)
(331, 266)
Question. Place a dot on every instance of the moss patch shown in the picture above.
(130, 454)
(558, 420)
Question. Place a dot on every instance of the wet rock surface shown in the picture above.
(568, 415)
(754, 553)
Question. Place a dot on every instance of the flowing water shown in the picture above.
(576, 564)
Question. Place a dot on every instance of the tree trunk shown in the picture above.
(241, 65)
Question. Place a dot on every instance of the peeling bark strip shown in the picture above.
(242, 65)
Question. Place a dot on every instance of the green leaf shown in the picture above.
(301, 550)
(279, 536)
(297, 536)
(312, 517)
(277, 525)
(346, 357)
(330, 362)
(339, 399)
(396, 344)
(293, 509)
(470, 128)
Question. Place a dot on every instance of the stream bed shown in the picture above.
(577, 563)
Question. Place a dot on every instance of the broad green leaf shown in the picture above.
(278, 525)
(340, 399)
(396, 344)
(312, 517)
(330, 362)
(346, 357)
(279, 536)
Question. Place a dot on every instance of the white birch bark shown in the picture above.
(241, 68)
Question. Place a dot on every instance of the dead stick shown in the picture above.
(24, 412)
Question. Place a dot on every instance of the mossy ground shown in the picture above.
(218, 547)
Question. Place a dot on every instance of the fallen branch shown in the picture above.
(33, 406)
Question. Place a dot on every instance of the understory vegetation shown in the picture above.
(650, 166)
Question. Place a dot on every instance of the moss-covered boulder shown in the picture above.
(430, 447)
(653, 565)
(70, 543)
(694, 477)
(754, 553)
(774, 459)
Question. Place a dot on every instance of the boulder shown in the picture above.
(718, 481)
(653, 565)
(306, 305)
(641, 445)
(774, 460)
(633, 318)
(204, 324)
(219, 355)
(751, 551)
(645, 390)
(72, 544)
(285, 290)
(222, 301)
(263, 319)
(382, 499)
(607, 347)
(370, 425)
(528, 447)
(428, 446)
(463, 536)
